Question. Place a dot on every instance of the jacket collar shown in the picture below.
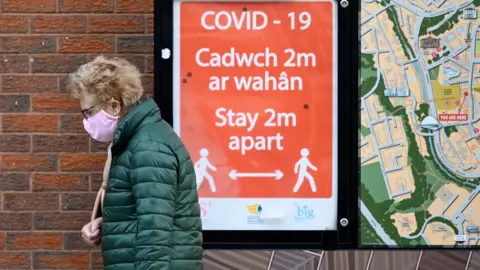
(144, 113)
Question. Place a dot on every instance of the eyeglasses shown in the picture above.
(86, 113)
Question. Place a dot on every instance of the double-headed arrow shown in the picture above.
(234, 175)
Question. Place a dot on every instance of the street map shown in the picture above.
(420, 130)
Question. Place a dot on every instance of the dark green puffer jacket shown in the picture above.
(151, 215)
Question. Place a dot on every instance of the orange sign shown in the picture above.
(256, 98)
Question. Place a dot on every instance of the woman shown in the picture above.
(150, 218)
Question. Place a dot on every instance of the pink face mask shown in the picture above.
(101, 126)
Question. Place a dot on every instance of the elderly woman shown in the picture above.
(150, 217)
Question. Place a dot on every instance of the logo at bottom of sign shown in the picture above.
(254, 212)
(304, 212)
(204, 210)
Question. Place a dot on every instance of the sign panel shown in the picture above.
(255, 103)
(419, 133)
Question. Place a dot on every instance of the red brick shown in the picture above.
(13, 24)
(29, 84)
(60, 182)
(87, 44)
(14, 63)
(14, 103)
(134, 6)
(61, 103)
(82, 162)
(2, 241)
(30, 123)
(150, 66)
(63, 82)
(85, 6)
(67, 221)
(14, 181)
(58, 24)
(15, 222)
(96, 181)
(72, 123)
(28, 6)
(97, 260)
(74, 241)
(30, 201)
(61, 260)
(60, 143)
(28, 163)
(24, 44)
(116, 24)
(14, 143)
(135, 44)
(57, 63)
(150, 24)
(34, 241)
(98, 146)
(15, 260)
(78, 201)
(148, 83)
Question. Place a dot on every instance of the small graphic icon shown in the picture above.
(304, 212)
(205, 208)
(301, 168)
(166, 53)
(430, 123)
(201, 167)
(254, 212)
(470, 14)
(254, 209)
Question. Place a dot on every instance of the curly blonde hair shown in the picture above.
(106, 79)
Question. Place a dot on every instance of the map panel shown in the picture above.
(420, 130)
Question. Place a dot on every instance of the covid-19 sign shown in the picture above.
(255, 102)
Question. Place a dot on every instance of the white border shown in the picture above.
(220, 207)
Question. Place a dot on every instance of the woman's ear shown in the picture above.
(116, 107)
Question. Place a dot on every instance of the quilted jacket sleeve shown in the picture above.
(153, 179)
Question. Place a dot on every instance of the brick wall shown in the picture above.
(49, 168)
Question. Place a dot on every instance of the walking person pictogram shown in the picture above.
(301, 168)
(201, 167)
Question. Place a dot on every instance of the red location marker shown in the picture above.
(476, 130)
(465, 94)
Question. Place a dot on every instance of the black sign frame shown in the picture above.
(345, 237)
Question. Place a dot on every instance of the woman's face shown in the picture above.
(90, 106)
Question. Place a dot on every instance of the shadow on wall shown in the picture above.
(342, 260)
